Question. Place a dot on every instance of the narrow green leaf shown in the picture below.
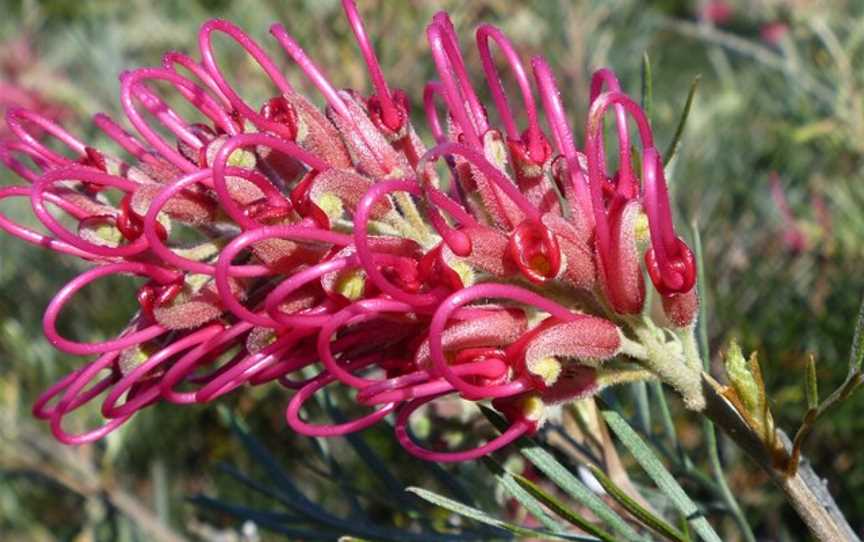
(643, 406)
(561, 509)
(811, 385)
(531, 504)
(682, 122)
(657, 524)
(702, 322)
(856, 355)
(647, 86)
(473, 513)
(290, 495)
(567, 481)
(652, 466)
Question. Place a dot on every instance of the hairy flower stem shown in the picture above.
(804, 490)
(677, 364)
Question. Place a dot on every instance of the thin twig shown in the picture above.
(804, 490)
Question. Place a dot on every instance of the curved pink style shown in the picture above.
(516, 430)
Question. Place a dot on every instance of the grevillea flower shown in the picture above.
(333, 247)
(16, 57)
(793, 237)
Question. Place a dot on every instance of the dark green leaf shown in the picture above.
(658, 525)
(652, 466)
(682, 122)
(567, 481)
(561, 509)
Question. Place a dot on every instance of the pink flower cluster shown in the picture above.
(280, 242)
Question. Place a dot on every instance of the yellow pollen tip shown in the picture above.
(533, 408)
(641, 231)
(547, 369)
(330, 204)
(465, 272)
(495, 151)
(351, 284)
(242, 158)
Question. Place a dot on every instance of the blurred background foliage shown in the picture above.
(781, 93)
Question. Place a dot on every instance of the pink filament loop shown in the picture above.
(204, 353)
(132, 87)
(561, 133)
(432, 89)
(110, 408)
(297, 281)
(166, 115)
(299, 359)
(596, 165)
(489, 171)
(239, 243)
(15, 118)
(249, 366)
(33, 237)
(453, 304)
(157, 243)
(7, 148)
(172, 58)
(208, 59)
(317, 77)
(89, 175)
(195, 96)
(292, 413)
(536, 148)
(516, 430)
(626, 188)
(310, 69)
(123, 138)
(457, 90)
(365, 310)
(456, 241)
(364, 252)
(128, 94)
(606, 77)
(41, 408)
(389, 111)
(71, 401)
(49, 320)
(239, 141)
(421, 383)
(670, 262)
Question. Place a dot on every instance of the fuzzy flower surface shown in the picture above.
(333, 246)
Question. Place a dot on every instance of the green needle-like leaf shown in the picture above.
(531, 504)
(811, 385)
(647, 86)
(856, 356)
(652, 466)
(482, 517)
(567, 481)
(561, 509)
(657, 524)
(682, 122)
